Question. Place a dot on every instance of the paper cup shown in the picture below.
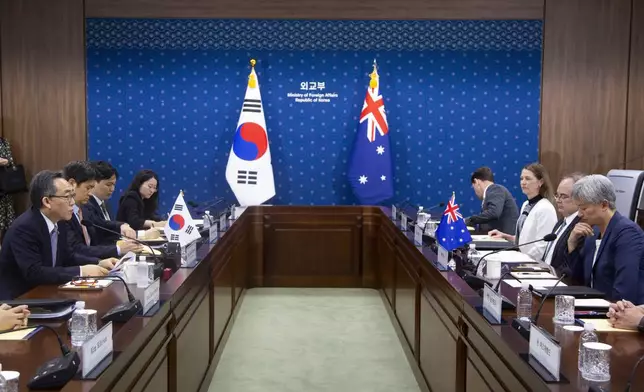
(12, 378)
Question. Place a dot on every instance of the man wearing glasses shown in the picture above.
(567, 210)
(35, 250)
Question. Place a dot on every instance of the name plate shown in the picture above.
(393, 211)
(238, 211)
(151, 295)
(403, 221)
(189, 254)
(222, 222)
(443, 256)
(418, 235)
(213, 233)
(492, 303)
(94, 350)
(544, 350)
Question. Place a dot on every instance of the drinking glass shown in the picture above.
(564, 309)
(596, 366)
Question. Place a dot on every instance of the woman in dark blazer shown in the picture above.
(138, 205)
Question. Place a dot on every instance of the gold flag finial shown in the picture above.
(252, 79)
(373, 83)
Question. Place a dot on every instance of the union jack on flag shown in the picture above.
(452, 231)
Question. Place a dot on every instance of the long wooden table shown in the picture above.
(450, 344)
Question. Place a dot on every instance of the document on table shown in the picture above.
(603, 325)
(484, 237)
(591, 303)
(536, 283)
(533, 275)
(198, 222)
(508, 256)
(19, 334)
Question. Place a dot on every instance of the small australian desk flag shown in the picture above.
(370, 169)
(452, 231)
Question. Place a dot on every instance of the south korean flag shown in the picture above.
(180, 226)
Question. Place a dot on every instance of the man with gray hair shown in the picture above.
(611, 258)
(567, 209)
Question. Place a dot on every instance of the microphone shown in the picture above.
(523, 326)
(87, 223)
(209, 204)
(633, 372)
(123, 312)
(475, 280)
(55, 373)
(498, 284)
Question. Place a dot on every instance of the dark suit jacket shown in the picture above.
(76, 241)
(93, 213)
(619, 269)
(25, 258)
(499, 211)
(559, 261)
(132, 211)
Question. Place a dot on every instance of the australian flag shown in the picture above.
(452, 231)
(370, 169)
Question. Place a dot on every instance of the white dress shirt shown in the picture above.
(550, 248)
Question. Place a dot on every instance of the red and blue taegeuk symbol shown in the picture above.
(176, 222)
(250, 142)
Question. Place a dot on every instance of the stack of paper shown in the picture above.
(591, 303)
(508, 256)
(538, 284)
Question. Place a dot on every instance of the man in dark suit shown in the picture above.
(498, 208)
(567, 209)
(97, 211)
(611, 259)
(82, 176)
(35, 250)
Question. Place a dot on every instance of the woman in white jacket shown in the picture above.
(538, 215)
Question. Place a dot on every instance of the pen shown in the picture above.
(579, 322)
(588, 313)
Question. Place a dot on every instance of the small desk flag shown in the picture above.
(180, 226)
(370, 170)
(249, 171)
(452, 231)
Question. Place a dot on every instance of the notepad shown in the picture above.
(484, 237)
(19, 334)
(603, 325)
(536, 283)
(591, 303)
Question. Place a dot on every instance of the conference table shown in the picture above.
(450, 345)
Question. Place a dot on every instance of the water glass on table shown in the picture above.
(564, 309)
(596, 364)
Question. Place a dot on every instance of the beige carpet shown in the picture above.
(310, 340)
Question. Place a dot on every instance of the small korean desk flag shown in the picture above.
(370, 170)
(249, 171)
(452, 231)
(180, 226)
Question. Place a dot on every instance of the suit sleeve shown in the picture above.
(628, 255)
(493, 207)
(132, 214)
(26, 249)
(83, 253)
(573, 264)
(101, 237)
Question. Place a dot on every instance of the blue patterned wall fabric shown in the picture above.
(166, 95)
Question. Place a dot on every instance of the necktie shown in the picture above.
(85, 232)
(54, 246)
(105, 213)
(557, 230)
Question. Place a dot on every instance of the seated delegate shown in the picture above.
(35, 250)
(625, 315)
(138, 206)
(538, 215)
(611, 258)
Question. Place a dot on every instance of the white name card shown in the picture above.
(443, 256)
(492, 303)
(151, 295)
(189, 254)
(393, 211)
(403, 221)
(222, 222)
(96, 349)
(213, 233)
(418, 235)
(544, 350)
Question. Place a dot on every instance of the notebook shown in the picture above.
(575, 291)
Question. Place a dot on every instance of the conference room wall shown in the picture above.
(166, 94)
(635, 119)
(42, 61)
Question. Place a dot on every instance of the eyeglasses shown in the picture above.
(561, 196)
(69, 198)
